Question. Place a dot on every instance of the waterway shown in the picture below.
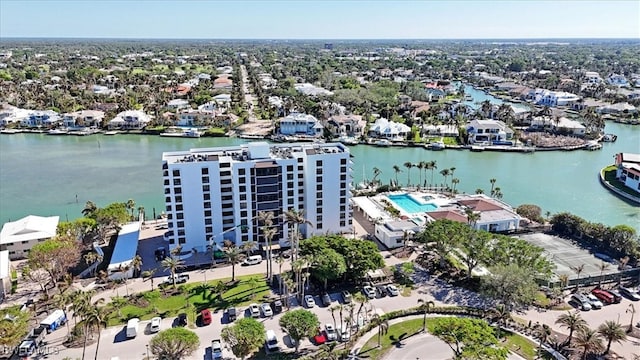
(55, 175)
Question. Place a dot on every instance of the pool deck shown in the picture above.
(419, 198)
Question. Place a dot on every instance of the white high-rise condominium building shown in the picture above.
(215, 194)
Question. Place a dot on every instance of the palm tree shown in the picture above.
(89, 209)
(269, 233)
(280, 261)
(421, 165)
(564, 280)
(131, 205)
(572, 321)
(333, 310)
(631, 309)
(603, 266)
(425, 306)
(383, 326)
(454, 182)
(432, 166)
(173, 265)
(148, 274)
(294, 219)
(472, 216)
(542, 333)
(493, 183)
(501, 314)
(590, 341)
(97, 318)
(136, 264)
(88, 317)
(578, 269)
(397, 170)
(611, 331)
(61, 301)
(376, 173)
(235, 257)
(408, 165)
(445, 173)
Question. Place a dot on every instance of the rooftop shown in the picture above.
(29, 228)
(126, 245)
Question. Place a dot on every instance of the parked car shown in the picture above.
(320, 339)
(343, 334)
(180, 279)
(154, 326)
(332, 335)
(182, 319)
(381, 291)
(132, 328)
(346, 297)
(629, 293)
(595, 303)
(393, 290)
(603, 296)
(252, 260)
(581, 302)
(232, 314)
(326, 299)
(271, 342)
(266, 310)
(205, 316)
(216, 349)
(617, 296)
(254, 310)
(276, 306)
(309, 302)
(369, 292)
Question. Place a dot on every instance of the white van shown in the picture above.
(253, 260)
(132, 328)
(271, 342)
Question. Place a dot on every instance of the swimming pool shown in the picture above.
(409, 205)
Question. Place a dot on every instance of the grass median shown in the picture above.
(189, 298)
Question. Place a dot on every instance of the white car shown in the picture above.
(595, 303)
(332, 334)
(392, 290)
(254, 310)
(309, 302)
(630, 293)
(344, 334)
(369, 292)
(154, 326)
(266, 310)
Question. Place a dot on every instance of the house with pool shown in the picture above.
(397, 216)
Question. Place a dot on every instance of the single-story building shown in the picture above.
(393, 233)
(124, 251)
(17, 237)
(628, 171)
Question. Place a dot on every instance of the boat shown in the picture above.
(609, 138)
(84, 131)
(593, 145)
(438, 145)
(113, 132)
(251, 136)
(348, 140)
(468, 98)
(383, 143)
(174, 131)
(58, 131)
(477, 148)
(10, 131)
(192, 133)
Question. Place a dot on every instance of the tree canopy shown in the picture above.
(299, 324)
(174, 343)
(469, 338)
(244, 337)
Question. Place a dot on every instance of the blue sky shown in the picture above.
(308, 19)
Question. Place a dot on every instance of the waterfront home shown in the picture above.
(618, 109)
(393, 234)
(349, 125)
(17, 237)
(177, 104)
(583, 104)
(300, 124)
(5, 274)
(481, 131)
(434, 94)
(13, 115)
(546, 97)
(628, 171)
(212, 107)
(559, 124)
(130, 120)
(495, 216)
(88, 118)
(191, 117)
(46, 118)
(223, 82)
(617, 80)
(389, 130)
(222, 99)
(439, 130)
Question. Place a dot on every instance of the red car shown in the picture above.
(205, 315)
(320, 339)
(603, 296)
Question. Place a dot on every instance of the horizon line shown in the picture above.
(297, 39)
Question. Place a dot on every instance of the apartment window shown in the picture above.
(205, 187)
(300, 160)
(179, 198)
(182, 240)
(207, 197)
(208, 221)
(207, 213)
(319, 202)
(208, 229)
(176, 182)
(301, 183)
(318, 163)
(241, 171)
(343, 185)
(289, 176)
(168, 208)
(243, 180)
(180, 224)
(290, 201)
(171, 241)
(343, 177)
(319, 171)
(225, 173)
(319, 187)
(300, 176)
(177, 190)
(343, 169)
(243, 188)
(243, 197)
(343, 161)
(342, 224)
(167, 199)
(207, 205)
(166, 182)
(290, 193)
(225, 165)
(290, 184)
(319, 226)
(167, 191)
(300, 199)
(343, 193)
(205, 171)
(319, 195)
(227, 213)
(169, 216)
(178, 207)
(343, 208)
(343, 201)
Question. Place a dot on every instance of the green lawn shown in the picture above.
(192, 298)
(396, 332)
(520, 345)
(137, 71)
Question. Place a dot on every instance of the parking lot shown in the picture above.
(565, 255)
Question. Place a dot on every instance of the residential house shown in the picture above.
(46, 118)
(435, 94)
(312, 90)
(495, 216)
(88, 118)
(561, 124)
(617, 80)
(592, 77)
(553, 98)
(440, 130)
(177, 104)
(628, 171)
(223, 82)
(618, 109)
(130, 120)
(223, 100)
(491, 131)
(13, 115)
(17, 237)
(300, 124)
(349, 125)
(589, 103)
(393, 234)
(192, 117)
(390, 130)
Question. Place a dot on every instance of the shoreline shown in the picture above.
(633, 200)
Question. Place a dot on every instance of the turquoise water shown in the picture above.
(42, 174)
(479, 96)
(409, 205)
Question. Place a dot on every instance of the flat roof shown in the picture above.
(126, 245)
